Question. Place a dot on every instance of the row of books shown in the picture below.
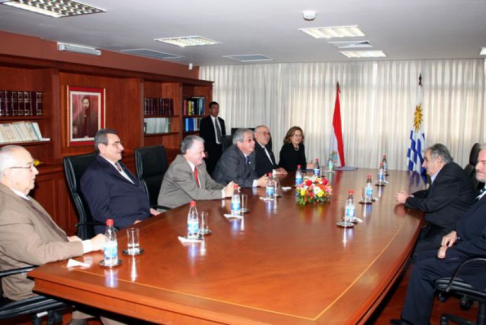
(195, 106)
(158, 106)
(192, 124)
(156, 125)
(24, 131)
(20, 103)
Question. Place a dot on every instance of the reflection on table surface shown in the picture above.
(281, 264)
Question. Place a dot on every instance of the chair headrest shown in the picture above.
(473, 156)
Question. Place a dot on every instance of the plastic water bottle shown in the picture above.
(330, 163)
(350, 208)
(270, 189)
(235, 204)
(317, 168)
(385, 165)
(298, 176)
(110, 249)
(368, 189)
(192, 222)
(381, 175)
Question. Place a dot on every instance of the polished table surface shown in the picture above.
(281, 264)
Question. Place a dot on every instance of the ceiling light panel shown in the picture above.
(363, 54)
(248, 57)
(351, 44)
(483, 51)
(333, 32)
(152, 54)
(54, 8)
(188, 41)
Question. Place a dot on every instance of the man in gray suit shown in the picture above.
(237, 163)
(187, 178)
(28, 235)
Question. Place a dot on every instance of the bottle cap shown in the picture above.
(298, 166)
(351, 192)
(369, 175)
(109, 222)
(192, 204)
(317, 159)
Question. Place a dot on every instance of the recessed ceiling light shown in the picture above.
(483, 51)
(188, 41)
(351, 44)
(363, 54)
(248, 57)
(54, 8)
(152, 54)
(331, 32)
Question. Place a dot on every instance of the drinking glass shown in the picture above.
(204, 229)
(133, 241)
(244, 203)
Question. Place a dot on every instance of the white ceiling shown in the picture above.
(403, 29)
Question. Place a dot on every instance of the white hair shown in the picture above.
(7, 159)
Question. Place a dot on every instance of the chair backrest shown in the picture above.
(151, 165)
(37, 306)
(227, 141)
(470, 168)
(74, 168)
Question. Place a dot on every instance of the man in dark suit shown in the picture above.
(444, 202)
(467, 240)
(237, 163)
(212, 130)
(187, 179)
(110, 189)
(264, 158)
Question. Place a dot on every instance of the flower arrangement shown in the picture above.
(313, 189)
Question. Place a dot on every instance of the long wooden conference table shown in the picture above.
(281, 264)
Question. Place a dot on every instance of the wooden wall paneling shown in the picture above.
(129, 112)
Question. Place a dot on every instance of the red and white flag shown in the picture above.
(336, 147)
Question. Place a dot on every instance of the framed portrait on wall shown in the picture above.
(86, 114)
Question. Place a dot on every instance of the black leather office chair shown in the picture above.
(37, 306)
(227, 141)
(470, 168)
(456, 286)
(151, 164)
(74, 168)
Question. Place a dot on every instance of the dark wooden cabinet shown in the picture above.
(124, 107)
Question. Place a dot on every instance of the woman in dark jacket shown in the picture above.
(293, 150)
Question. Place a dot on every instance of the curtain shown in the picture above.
(377, 104)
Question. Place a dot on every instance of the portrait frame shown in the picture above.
(86, 114)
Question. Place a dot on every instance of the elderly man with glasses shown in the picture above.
(110, 189)
(28, 235)
(264, 158)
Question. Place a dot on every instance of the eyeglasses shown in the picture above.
(115, 144)
(265, 133)
(31, 167)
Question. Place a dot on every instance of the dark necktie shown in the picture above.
(218, 131)
(118, 166)
(47, 220)
(247, 160)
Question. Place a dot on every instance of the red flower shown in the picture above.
(324, 181)
(308, 182)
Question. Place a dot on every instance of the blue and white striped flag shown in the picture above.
(415, 152)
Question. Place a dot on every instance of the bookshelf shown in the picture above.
(195, 103)
(125, 111)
